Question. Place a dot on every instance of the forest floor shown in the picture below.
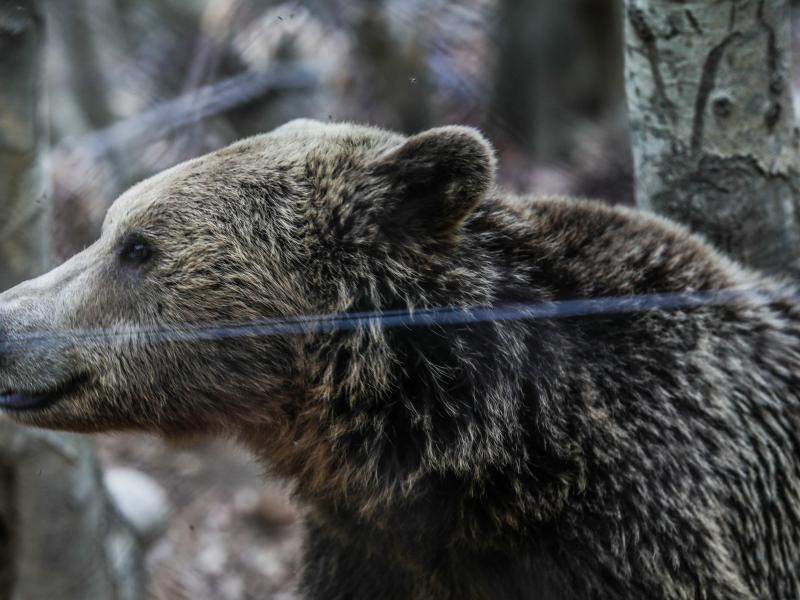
(232, 534)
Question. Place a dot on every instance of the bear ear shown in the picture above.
(434, 180)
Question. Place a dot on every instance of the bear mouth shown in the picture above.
(16, 400)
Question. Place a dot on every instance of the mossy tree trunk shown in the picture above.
(59, 534)
(712, 123)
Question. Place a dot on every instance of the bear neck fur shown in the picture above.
(453, 419)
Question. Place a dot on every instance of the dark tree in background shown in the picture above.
(393, 69)
(558, 65)
(712, 122)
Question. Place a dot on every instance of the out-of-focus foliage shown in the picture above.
(135, 87)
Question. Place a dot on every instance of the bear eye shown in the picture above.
(135, 251)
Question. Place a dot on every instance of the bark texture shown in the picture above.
(712, 122)
(60, 537)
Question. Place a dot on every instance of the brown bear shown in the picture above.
(476, 395)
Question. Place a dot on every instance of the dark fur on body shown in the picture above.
(639, 454)
(631, 454)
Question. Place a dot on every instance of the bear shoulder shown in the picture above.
(613, 250)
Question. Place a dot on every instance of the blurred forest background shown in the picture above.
(137, 86)
(132, 87)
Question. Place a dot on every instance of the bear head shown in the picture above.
(203, 305)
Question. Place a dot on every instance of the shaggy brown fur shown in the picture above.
(499, 397)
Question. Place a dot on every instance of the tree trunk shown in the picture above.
(712, 122)
(59, 535)
(526, 34)
(393, 71)
(23, 207)
(7, 517)
(558, 63)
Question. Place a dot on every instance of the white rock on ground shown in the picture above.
(140, 500)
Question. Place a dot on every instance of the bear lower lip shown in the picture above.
(19, 401)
